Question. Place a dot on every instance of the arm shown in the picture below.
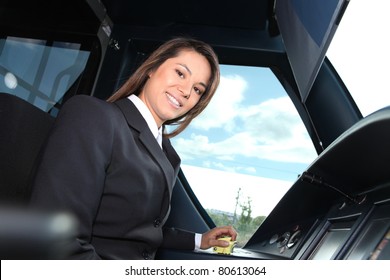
(180, 239)
(72, 171)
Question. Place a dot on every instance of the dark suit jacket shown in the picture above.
(103, 164)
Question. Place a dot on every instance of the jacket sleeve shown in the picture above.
(72, 171)
(178, 239)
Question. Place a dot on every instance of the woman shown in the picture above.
(106, 162)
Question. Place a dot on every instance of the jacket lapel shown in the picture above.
(169, 162)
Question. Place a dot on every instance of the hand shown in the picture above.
(210, 238)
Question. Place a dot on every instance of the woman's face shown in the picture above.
(176, 86)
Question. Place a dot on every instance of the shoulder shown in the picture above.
(85, 106)
(86, 102)
(83, 112)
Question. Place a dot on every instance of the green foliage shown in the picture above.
(244, 226)
(243, 223)
(219, 219)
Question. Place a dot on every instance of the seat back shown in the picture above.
(23, 130)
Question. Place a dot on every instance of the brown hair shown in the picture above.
(170, 49)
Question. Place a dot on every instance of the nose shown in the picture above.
(187, 95)
(185, 90)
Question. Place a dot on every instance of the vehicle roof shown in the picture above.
(202, 12)
(236, 31)
(242, 33)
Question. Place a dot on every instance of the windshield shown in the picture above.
(40, 71)
(360, 53)
(245, 151)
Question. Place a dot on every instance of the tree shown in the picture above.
(235, 208)
(245, 218)
(244, 223)
(219, 219)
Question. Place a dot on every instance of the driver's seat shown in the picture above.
(23, 131)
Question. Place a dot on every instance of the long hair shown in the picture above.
(170, 49)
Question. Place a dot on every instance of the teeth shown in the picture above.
(173, 100)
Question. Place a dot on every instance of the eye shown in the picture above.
(198, 90)
(179, 73)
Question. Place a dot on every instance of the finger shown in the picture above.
(222, 243)
(227, 230)
(218, 243)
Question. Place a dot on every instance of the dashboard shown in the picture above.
(339, 208)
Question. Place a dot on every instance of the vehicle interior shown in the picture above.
(338, 208)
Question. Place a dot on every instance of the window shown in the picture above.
(39, 71)
(359, 52)
(244, 152)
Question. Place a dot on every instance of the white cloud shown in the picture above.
(271, 130)
(218, 189)
(232, 168)
(223, 107)
(278, 131)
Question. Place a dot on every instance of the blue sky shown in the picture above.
(250, 127)
(249, 137)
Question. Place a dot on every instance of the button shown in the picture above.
(294, 239)
(274, 238)
(283, 239)
(146, 255)
(157, 222)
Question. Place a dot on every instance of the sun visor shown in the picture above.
(307, 28)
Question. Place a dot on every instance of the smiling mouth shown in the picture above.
(173, 100)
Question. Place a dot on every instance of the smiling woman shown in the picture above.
(176, 86)
(247, 148)
(120, 165)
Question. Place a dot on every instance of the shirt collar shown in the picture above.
(147, 115)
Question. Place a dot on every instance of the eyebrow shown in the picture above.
(189, 71)
(186, 67)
